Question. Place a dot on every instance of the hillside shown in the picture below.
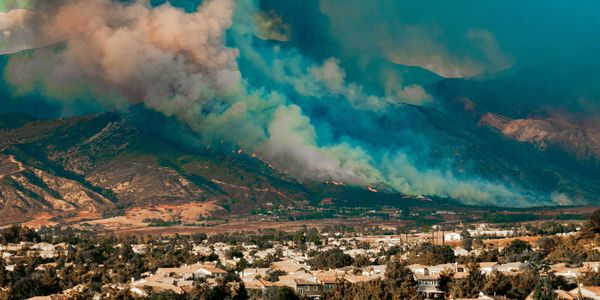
(101, 163)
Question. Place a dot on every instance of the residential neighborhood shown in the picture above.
(440, 263)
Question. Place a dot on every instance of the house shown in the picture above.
(182, 273)
(491, 232)
(214, 272)
(290, 279)
(563, 271)
(140, 249)
(376, 270)
(251, 274)
(156, 283)
(433, 270)
(308, 288)
(452, 236)
(559, 294)
(589, 292)
(289, 267)
(358, 278)
(428, 286)
(189, 272)
(43, 247)
(460, 251)
(488, 267)
(328, 282)
(510, 267)
(47, 266)
(418, 269)
(259, 285)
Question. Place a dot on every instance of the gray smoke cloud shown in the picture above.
(374, 30)
(178, 63)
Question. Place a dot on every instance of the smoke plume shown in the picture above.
(216, 70)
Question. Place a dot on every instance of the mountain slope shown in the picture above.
(523, 130)
(544, 132)
(103, 162)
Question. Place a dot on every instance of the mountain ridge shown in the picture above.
(47, 162)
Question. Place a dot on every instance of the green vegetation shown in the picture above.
(331, 259)
(161, 223)
(398, 283)
(431, 255)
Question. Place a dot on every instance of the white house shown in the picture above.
(460, 251)
(433, 270)
(211, 272)
(418, 269)
(140, 249)
(488, 267)
(510, 267)
(452, 236)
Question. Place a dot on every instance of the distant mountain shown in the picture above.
(96, 165)
(541, 90)
(540, 124)
(581, 141)
(104, 162)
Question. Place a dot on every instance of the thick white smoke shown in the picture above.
(173, 61)
(178, 63)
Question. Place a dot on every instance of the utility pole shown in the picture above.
(443, 239)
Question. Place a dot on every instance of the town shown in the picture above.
(543, 260)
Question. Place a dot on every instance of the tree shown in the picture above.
(313, 236)
(16, 234)
(523, 283)
(281, 293)
(241, 265)
(429, 254)
(592, 227)
(560, 283)
(444, 281)
(478, 243)
(594, 223)
(198, 237)
(331, 259)
(547, 244)
(496, 283)
(399, 281)
(273, 275)
(3, 274)
(543, 291)
(241, 293)
(515, 250)
(590, 278)
(361, 261)
(300, 239)
(470, 286)
(467, 243)
(517, 247)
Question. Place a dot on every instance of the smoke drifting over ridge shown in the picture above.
(180, 64)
